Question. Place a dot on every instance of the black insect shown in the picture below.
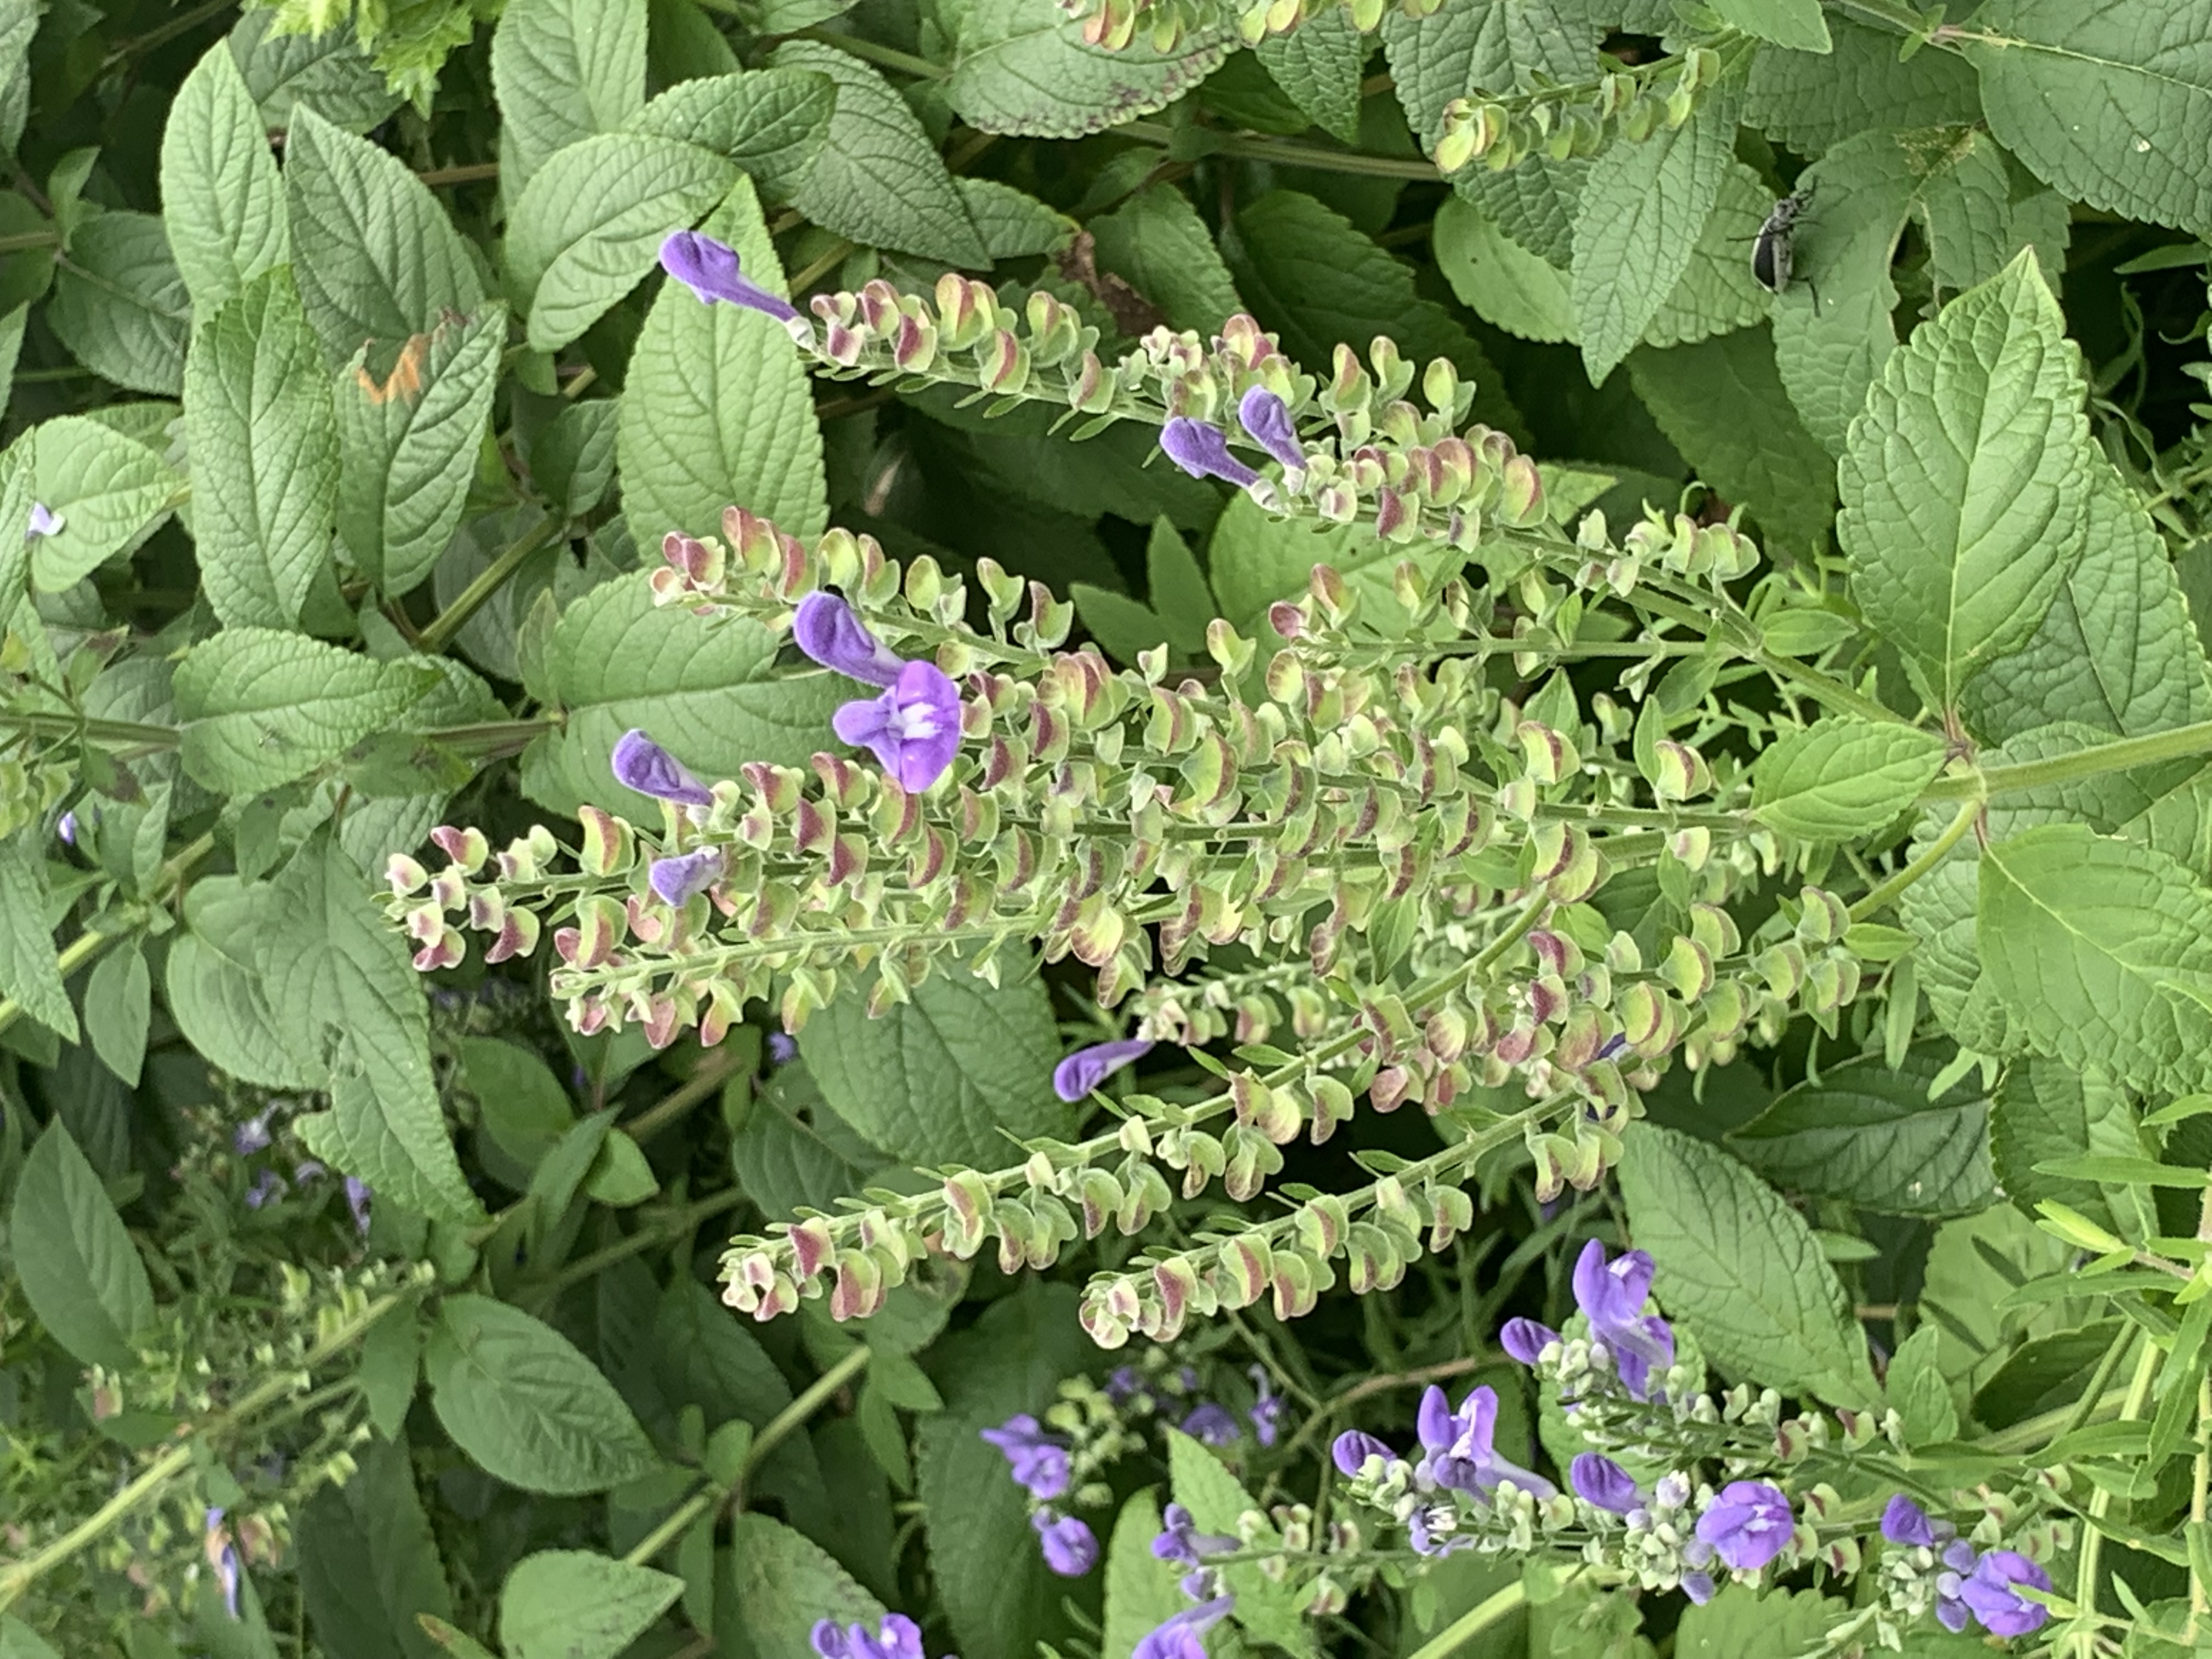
(1773, 252)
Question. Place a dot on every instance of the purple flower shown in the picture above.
(1524, 1339)
(1202, 451)
(913, 729)
(1989, 1594)
(709, 269)
(677, 879)
(1182, 1636)
(897, 1638)
(643, 765)
(265, 1186)
(1212, 1424)
(1040, 1461)
(1268, 419)
(357, 1195)
(782, 1047)
(1612, 1297)
(1699, 1587)
(1086, 1068)
(1460, 1455)
(1748, 1524)
(251, 1136)
(66, 829)
(1071, 1549)
(1430, 1530)
(1267, 1413)
(1905, 1523)
(826, 630)
(1958, 1559)
(1351, 1449)
(1183, 1543)
(45, 521)
(222, 1556)
(1602, 1482)
(1124, 1384)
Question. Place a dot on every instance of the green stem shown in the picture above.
(86, 946)
(24, 242)
(1283, 153)
(2122, 755)
(711, 1074)
(674, 1224)
(2033, 1432)
(2100, 1501)
(469, 173)
(439, 634)
(168, 31)
(1475, 1620)
(1937, 851)
(905, 62)
(120, 733)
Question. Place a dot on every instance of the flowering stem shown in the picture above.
(1476, 1619)
(2093, 1540)
(87, 945)
(1253, 147)
(674, 1224)
(439, 634)
(1938, 850)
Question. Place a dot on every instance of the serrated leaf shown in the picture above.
(18, 23)
(215, 996)
(2137, 76)
(375, 256)
(1741, 1267)
(1019, 69)
(1812, 101)
(771, 122)
(1717, 291)
(1794, 24)
(590, 225)
(2102, 950)
(1141, 1590)
(1871, 1136)
(1317, 65)
(327, 71)
(575, 1604)
(408, 445)
(1121, 626)
(109, 491)
(221, 200)
(719, 408)
(1638, 221)
(1014, 224)
(527, 1408)
(258, 708)
(1178, 587)
(1497, 279)
(1266, 1608)
(351, 1008)
(368, 1562)
(778, 1584)
(1842, 777)
(1918, 1391)
(2045, 1113)
(119, 304)
(1964, 490)
(563, 70)
(74, 1258)
(1974, 1266)
(265, 448)
(118, 1006)
(1257, 558)
(792, 1152)
(936, 1079)
(1534, 203)
(1474, 48)
(30, 974)
(2116, 649)
(1158, 242)
(1721, 403)
(879, 181)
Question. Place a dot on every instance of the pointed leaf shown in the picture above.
(78, 1269)
(221, 199)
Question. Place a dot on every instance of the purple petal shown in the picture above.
(1434, 1422)
(1071, 1548)
(357, 1195)
(826, 630)
(913, 729)
(1212, 1424)
(1351, 1449)
(1086, 1068)
(1989, 1594)
(1699, 1587)
(1182, 1636)
(677, 879)
(1604, 1483)
(1202, 451)
(1748, 1524)
(641, 765)
(829, 1640)
(711, 270)
(45, 521)
(1905, 1522)
(1268, 419)
(1525, 1339)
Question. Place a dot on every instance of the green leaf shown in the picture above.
(352, 1006)
(2102, 950)
(1636, 225)
(1796, 24)
(1741, 1267)
(1717, 292)
(258, 708)
(18, 23)
(30, 970)
(110, 491)
(118, 999)
(1142, 1591)
(1974, 1266)
(1812, 101)
(1740, 1622)
(779, 1586)
(573, 1604)
(368, 1563)
(2045, 1112)
(119, 305)
(74, 1258)
(1257, 558)
(1534, 202)
(1871, 1136)
(1964, 490)
(1121, 625)
(375, 256)
(563, 69)
(878, 180)
(1014, 224)
(390, 1360)
(771, 122)
(1157, 242)
(1318, 64)
(522, 1110)
(2136, 77)
(264, 449)
(1917, 1389)
(1468, 51)
(17, 1639)
(215, 996)
(1019, 69)
(1842, 777)
(935, 1080)
(1721, 403)
(408, 445)
(528, 1408)
(719, 407)
(327, 71)
(590, 224)
(2116, 649)
(1497, 279)
(1266, 1609)
(572, 458)
(221, 199)
(792, 1152)
(998, 1596)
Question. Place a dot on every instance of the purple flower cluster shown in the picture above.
(914, 728)
(897, 1638)
(1458, 1454)
(1982, 1584)
(1201, 449)
(1611, 1294)
(1041, 1467)
(1182, 1636)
